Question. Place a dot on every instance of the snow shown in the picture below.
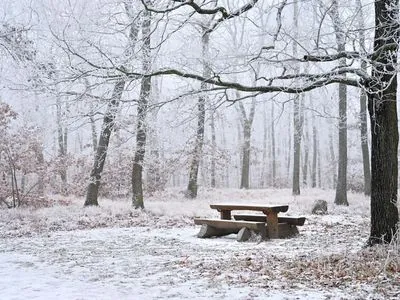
(131, 263)
(116, 252)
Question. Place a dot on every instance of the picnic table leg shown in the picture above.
(272, 225)
(225, 214)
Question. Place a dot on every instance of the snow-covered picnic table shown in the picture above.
(267, 225)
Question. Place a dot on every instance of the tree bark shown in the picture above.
(273, 148)
(341, 187)
(214, 149)
(145, 89)
(289, 150)
(382, 106)
(101, 152)
(363, 107)
(201, 114)
(297, 119)
(264, 149)
(306, 152)
(245, 174)
(62, 137)
(297, 133)
(247, 123)
(315, 155)
(93, 127)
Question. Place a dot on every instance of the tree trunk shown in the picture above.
(289, 152)
(245, 174)
(145, 89)
(101, 152)
(297, 119)
(382, 106)
(297, 133)
(62, 137)
(201, 114)
(93, 127)
(225, 146)
(315, 155)
(247, 123)
(306, 152)
(363, 107)
(273, 148)
(214, 148)
(341, 187)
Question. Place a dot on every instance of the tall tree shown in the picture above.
(247, 124)
(315, 153)
(363, 104)
(341, 187)
(213, 147)
(102, 148)
(306, 150)
(273, 147)
(201, 115)
(62, 139)
(141, 135)
(297, 118)
(382, 106)
(109, 120)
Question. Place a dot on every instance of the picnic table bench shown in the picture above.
(268, 224)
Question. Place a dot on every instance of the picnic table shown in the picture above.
(268, 224)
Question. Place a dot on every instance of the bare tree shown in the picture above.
(247, 122)
(315, 154)
(363, 105)
(213, 148)
(382, 106)
(201, 115)
(341, 187)
(62, 139)
(109, 122)
(297, 112)
(102, 148)
(273, 146)
(145, 89)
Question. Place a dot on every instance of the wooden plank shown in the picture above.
(257, 207)
(254, 218)
(299, 221)
(231, 224)
(220, 229)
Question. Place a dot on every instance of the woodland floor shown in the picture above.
(113, 251)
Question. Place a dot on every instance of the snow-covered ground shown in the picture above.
(67, 252)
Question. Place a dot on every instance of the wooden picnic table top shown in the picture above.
(255, 207)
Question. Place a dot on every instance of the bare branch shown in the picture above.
(325, 58)
(225, 15)
(216, 81)
(233, 14)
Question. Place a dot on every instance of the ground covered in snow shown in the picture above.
(113, 251)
